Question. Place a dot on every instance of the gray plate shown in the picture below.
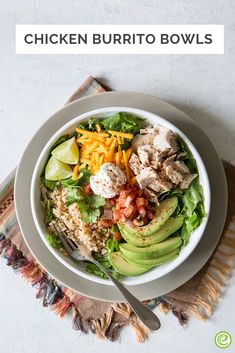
(215, 172)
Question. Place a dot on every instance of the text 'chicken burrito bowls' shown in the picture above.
(128, 190)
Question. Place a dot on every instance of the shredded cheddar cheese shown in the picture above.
(99, 147)
(133, 180)
(90, 133)
(121, 134)
(127, 169)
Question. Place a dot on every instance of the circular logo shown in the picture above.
(223, 339)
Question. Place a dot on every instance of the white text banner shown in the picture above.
(119, 39)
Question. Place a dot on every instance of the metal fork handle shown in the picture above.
(145, 315)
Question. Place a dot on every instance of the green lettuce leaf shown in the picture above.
(112, 245)
(95, 270)
(90, 125)
(49, 210)
(174, 192)
(70, 183)
(53, 241)
(126, 144)
(104, 261)
(190, 206)
(83, 178)
(186, 156)
(49, 184)
(193, 209)
(124, 122)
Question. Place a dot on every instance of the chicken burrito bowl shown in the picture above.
(127, 187)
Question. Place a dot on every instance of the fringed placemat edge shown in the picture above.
(217, 274)
(52, 295)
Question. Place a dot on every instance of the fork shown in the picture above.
(81, 253)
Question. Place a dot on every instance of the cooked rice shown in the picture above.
(69, 220)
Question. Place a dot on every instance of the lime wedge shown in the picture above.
(56, 170)
(67, 152)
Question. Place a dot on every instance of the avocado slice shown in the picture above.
(125, 268)
(134, 253)
(170, 227)
(157, 261)
(163, 212)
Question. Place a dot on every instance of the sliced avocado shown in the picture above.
(170, 227)
(123, 267)
(157, 261)
(163, 212)
(151, 252)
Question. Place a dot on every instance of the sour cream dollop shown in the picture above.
(108, 181)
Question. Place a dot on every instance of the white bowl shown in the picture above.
(79, 268)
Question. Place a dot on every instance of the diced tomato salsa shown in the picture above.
(132, 205)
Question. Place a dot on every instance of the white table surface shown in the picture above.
(33, 87)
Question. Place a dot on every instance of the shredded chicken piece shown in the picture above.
(173, 175)
(147, 130)
(159, 185)
(177, 172)
(157, 159)
(141, 140)
(144, 153)
(181, 167)
(165, 141)
(150, 195)
(135, 164)
(188, 178)
(156, 163)
(146, 177)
